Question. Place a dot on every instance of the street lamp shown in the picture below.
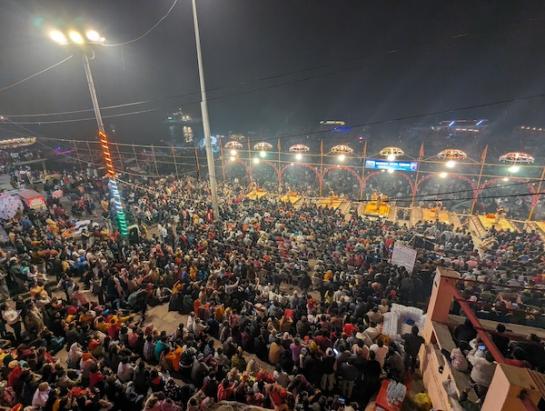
(75, 38)
(94, 36)
(58, 37)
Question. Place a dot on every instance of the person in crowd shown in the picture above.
(304, 289)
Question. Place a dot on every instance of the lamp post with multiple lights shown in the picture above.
(92, 37)
(205, 120)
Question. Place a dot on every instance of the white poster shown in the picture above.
(403, 256)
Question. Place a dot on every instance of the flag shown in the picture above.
(421, 152)
(483, 154)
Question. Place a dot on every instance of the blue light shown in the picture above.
(120, 213)
(453, 122)
(342, 129)
(479, 122)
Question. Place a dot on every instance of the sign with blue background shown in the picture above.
(391, 165)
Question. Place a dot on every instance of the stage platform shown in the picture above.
(489, 221)
(334, 202)
(370, 209)
(291, 197)
(257, 194)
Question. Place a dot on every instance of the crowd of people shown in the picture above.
(280, 307)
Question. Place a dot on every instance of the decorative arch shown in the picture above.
(378, 173)
(272, 165)
(238, 161)
(488, 183)
(346, 168)
(466, 179)
(313, 169)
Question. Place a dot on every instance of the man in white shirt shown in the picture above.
(12, 317)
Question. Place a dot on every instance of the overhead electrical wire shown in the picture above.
(59, 113)
(397, 199)
(10, 86)
(75, 120)
(263, 78)
(148, 31)
(362, 124)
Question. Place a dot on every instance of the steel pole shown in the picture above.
(93, 93)
(205, 120)
(104, 142)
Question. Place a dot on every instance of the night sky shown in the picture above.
(276, 67)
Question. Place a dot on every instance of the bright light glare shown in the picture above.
(342, 157)
(76, 37)
(514, 169)
(262, 154)
(93, 35)
(443, 174)
(390, 171)
(256, 160)
(233, 153)
(298, 156)
(391, 157)
(505, 179)
(450, 164)
(232, 158)
(58, 37)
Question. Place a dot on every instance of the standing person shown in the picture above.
(329, 363)
(13, 318)
(413, 341)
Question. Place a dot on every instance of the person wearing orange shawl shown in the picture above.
(177, 287)
(193, 272)
(328, 276)
(173, 358)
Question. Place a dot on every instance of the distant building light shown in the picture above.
(332, 123)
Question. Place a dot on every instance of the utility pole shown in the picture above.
(205, 120)
(105, 146)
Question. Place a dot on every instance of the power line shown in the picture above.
(75, 120)
(397, 199)
(157, 23)
(10, 86)
(59, 113)
(263, 78)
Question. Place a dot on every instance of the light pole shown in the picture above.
(76, 38)
(205, 120)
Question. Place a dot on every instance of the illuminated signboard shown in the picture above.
(392, 165)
